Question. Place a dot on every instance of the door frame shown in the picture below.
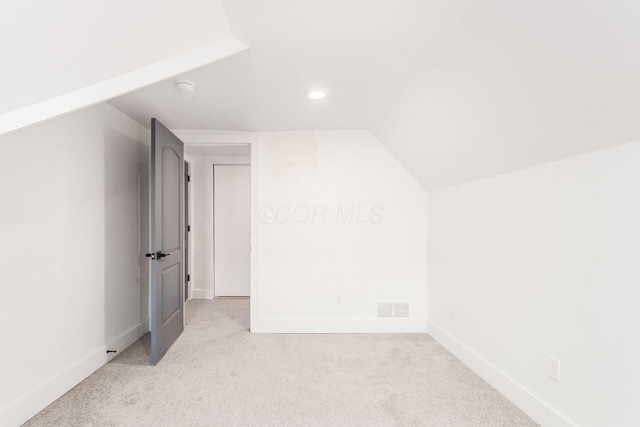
(187, 230)
(214, 220)
(204, 138)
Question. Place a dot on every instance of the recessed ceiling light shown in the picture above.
(185, 87)
(317, 93)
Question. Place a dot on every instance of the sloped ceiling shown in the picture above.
(457, 90)
(62, 56)
(520, 83)
(53, 47)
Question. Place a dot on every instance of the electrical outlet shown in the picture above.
(554, 373)
(268, 218)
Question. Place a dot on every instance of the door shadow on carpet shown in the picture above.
(138, 354)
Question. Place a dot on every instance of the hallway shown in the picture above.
(217, 373)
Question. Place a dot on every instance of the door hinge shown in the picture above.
(188, 178)
(188, 277)
(188, 228)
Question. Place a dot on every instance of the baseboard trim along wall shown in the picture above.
(34, 401)
(530, 404)
(338, 326)
(145, 327)
(123, 341)
(201, 294)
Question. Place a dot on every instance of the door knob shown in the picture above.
(151, 255)
(160, 255)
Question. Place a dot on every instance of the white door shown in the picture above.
(232, 218)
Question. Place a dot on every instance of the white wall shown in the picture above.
(325, 271)
(143, 221)
(69, 253)
(320, 272)
(543, 262)
(201, 264)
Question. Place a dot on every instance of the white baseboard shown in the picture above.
(338, 326)
(34, 401)
(145, 327)
(202, 294)
(529, 403)
(123, 341)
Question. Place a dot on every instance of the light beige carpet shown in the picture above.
(218, 374)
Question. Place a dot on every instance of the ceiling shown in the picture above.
(457, 90)
(520, 84)
(362, 51)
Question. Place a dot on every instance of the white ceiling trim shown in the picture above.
(207, 137)
(124, 83)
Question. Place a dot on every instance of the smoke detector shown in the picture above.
(185, 87)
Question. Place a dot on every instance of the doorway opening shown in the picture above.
(220, 218)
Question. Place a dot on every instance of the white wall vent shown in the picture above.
(387, 310)
(401, 309)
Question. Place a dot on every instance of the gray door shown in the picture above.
(167, 239)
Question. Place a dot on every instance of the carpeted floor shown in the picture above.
(218, 374)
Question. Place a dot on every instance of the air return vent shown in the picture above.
(385, 309)
(401, 309)
(388, 310)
